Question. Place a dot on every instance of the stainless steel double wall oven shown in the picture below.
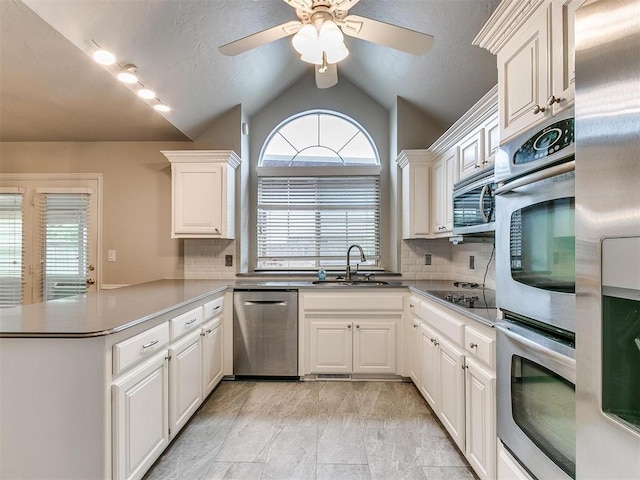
(535, 290)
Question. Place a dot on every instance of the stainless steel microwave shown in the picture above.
(473, 204)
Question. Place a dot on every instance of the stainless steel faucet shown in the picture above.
(362, 259)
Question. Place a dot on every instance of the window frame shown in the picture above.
(320, 171)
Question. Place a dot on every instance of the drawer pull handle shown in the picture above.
(150, 344)
(473, 345)
(190, 321)
(217, 308)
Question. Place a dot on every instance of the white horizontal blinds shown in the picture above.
(65, 218)
(307, 222)
(11, 249)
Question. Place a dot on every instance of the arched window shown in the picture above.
(318, 193)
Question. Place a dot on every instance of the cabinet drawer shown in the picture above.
(213, 308)
(129, 351)
(186, 322)
(480, 345)
(376, 301)
(451, 327)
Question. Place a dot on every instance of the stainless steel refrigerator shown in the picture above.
(607, 129)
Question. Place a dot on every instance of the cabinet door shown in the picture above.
(185, 380)
(374, 347)
(212, 356)
(451, 177)
(491, 139)
(480, 418)
(471, 154)
(198, 199)
(331, 347)
(439, 194)
(415, 200)
(451, 377)
(140, 418)
(563, 51)
(523, 75)
(429, 369)
(412, 347)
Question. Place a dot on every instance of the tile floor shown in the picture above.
(312, 430)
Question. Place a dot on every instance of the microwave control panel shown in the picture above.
(548, 141)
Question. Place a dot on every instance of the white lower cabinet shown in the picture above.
(412, 345)
(140, 417)
(480, 394)
(212, 355)
(452, 402)
(185, 380)
(344, 347)
(458, 382)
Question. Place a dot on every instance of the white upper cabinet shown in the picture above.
(202, 193)
(534, 44)
(416, 193)
(445, 174)
(472, 153)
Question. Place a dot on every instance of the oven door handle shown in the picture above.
(537, 176)
(536, 347)
(483, 192)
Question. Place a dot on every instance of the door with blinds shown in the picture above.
(48, 239)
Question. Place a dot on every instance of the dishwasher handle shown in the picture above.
(265, 302)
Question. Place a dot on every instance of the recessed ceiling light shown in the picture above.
(104, 57)
(128, 74)
(161, 107)
(146, 94)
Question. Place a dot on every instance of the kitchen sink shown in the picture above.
(350, 283)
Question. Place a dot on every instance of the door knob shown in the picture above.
(90, 281)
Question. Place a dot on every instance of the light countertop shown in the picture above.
(110, 311)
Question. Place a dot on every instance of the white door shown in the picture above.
(185, 380)
(429, 369)
(60, 238)
(197, 198)
(212, 355)
(140, 418)
(451, 377)
(480, 418)
(331, 347)
(374, 347)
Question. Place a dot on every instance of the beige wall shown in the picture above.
(136, 196)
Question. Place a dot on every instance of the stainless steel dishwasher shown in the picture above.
(265, 333)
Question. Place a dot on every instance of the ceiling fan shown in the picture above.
(318, 36)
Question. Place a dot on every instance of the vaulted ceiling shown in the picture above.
(50, 89)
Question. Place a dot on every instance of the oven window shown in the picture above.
(620, 360)
(543, 406)
(542, 241)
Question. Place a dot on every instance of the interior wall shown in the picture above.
(345, 98)
(136, 217)
(416, 129)
(224, 134)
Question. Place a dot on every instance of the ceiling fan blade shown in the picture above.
(260, 38)
(342, 4)
(304, 5)
(386, 34)
(328, 78)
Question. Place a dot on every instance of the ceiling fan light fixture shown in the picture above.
(312, 56)
(330, 36)
(337, 55)
(128, 74)
(305, 39)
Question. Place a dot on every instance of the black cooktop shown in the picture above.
(468, 295)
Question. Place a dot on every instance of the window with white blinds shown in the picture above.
(309, 222)
(11, 249)
(65, 218)
(318, 193)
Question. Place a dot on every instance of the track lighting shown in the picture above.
(128, 74)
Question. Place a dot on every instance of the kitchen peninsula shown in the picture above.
(82, 374)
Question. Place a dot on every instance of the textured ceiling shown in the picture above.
(51, 90)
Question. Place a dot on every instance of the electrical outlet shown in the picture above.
(228, 260)
(472, 262)
(111, 255)
(427, 259)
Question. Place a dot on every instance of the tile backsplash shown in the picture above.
(205, 259)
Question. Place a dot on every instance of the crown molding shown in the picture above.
(203, 156)
(505, 21)
(414, 156)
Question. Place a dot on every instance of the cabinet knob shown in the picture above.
(411, 305)
(218, 231)
(538, 109)
(415, 325)
(553, 99)
(473, 345)
(477, 167)
(349, 327)
(357, 326)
